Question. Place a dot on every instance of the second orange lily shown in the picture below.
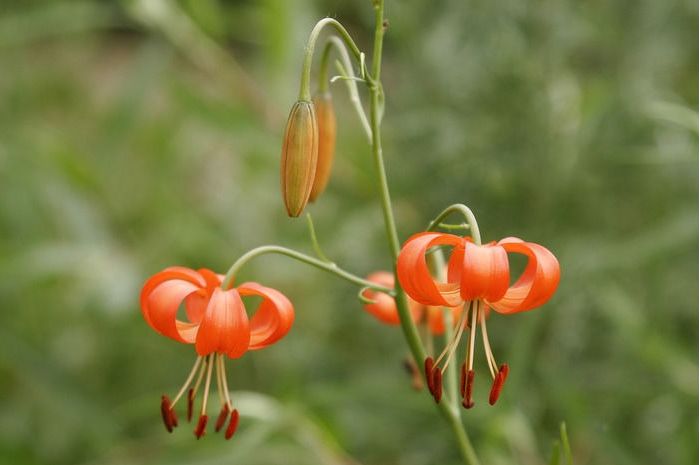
(480, 276)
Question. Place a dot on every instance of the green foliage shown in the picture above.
(139, 134)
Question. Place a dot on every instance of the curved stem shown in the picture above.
(304, 91)
(276, 249)
(407, 325)
(465, 212)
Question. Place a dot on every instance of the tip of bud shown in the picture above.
(232, 425)
(201, 426)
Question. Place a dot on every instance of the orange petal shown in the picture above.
(161, 297)
(415, 277)
(225, 327)
(273, 319)
(485, 272)
(162, 305)
(384, 306)
(538, 282)
(173, 272)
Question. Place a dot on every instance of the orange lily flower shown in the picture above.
(479, 275)
(217, 324)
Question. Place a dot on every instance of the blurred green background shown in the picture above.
(139, 134)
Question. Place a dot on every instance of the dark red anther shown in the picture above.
(498, 382)
(504, 369)
(428, 368)
(165, 412)
(467, 402)
(232, 425)
(223, 415)
(496, 388)
(463, 379)
(190, 404)
(201, 426)
(173, 417)
(437, 384)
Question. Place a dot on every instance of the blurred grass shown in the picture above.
(139, 134)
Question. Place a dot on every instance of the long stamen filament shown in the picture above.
(219, 385)
(458, 336)
(200, 377)
(493, 366)
(210, 365)
(472, 336)
(455, 339)
(224, 383)
(188, 381)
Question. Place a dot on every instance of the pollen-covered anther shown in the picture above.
(437, 384)
(200, 430)
(223, 415)
(166, 413)
(232, 424)
(428, 369)
(467, 401)
(498, 383)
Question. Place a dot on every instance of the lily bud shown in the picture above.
(325, 116)
(299, 157)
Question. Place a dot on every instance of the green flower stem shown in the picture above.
(465, 212)
(407, 325)
(305, 88)
(345, 68)
(276, 249)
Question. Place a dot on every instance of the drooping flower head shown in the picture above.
(218, 325)
(479, 276)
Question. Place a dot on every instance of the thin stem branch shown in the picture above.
(304, 90)
(465, 212)
(276, 249)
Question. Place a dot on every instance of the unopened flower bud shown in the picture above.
(299, 157)
(325, 116)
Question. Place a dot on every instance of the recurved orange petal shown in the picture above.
(273, 319)
(161, 297)
(224, 327)
(415, 277)
(538, 282)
